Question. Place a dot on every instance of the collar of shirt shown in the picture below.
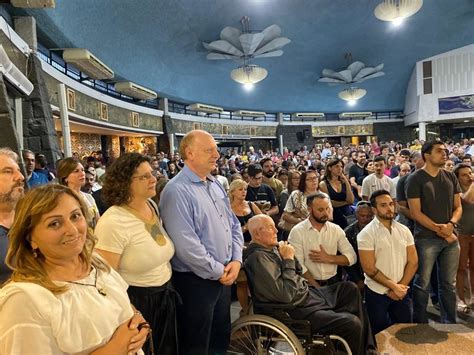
(192, 176)
(309, 226)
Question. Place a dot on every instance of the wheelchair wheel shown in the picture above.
(258, 335)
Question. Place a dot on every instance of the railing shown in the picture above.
(56, 61)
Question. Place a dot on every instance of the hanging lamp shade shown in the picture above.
(352, 94)
(395, 10)
(248, 74)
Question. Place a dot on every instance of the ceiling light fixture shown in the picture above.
(245, 46)
(352, 94)
(397, 10)
(248, 74)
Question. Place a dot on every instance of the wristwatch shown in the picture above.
(455, 225)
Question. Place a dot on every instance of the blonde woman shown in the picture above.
(62, 298)
(244, 210)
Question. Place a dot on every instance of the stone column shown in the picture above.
(9, 137)
(422, 131)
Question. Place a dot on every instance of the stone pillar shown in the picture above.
(9, 137)
(422, 131)
(38, 122)
(165, 106)
(26, 28)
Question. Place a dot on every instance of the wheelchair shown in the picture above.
(270, 330)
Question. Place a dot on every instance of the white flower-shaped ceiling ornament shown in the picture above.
(245, 46)
(356, 72)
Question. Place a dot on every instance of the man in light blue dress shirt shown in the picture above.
(208, 240)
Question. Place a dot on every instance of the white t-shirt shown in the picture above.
(372, 183)
(91, 207)
(143, 262)
(305, 238)
(390, 250)
(35, 321)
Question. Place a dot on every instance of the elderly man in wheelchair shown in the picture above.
(287, 311)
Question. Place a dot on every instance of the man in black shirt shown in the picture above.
(260, 193)
(11, 190)
(435, 205)
(357, 172)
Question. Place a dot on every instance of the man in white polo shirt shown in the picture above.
(378, 181)
(388, 257)
(316, 242)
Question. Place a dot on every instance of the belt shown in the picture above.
(330, 281)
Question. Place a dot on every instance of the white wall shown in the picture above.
(453, 75)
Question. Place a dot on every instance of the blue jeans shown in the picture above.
(383, 311)
(429, 251)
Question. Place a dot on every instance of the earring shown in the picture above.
(35, 254)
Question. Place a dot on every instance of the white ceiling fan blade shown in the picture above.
(231, 35)
(364, 72)
(374, 75)
(225, 47)
(250, 41)
(328, 73)
(355, 68)
(276, 53)
(270, 33)
(331, 80)
(277, 43)
(219, 56)
(346, 75)
(379, 67)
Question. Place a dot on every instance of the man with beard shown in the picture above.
(318, 241)
(388, 257)
(378, 181)
(434, 199)
(357, 172)
(11, 190)
(32, 178)
(364, 215)
(275, 275)
(268, 177)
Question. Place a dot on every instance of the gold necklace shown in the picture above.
(152, 226)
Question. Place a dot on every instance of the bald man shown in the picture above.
(276, 277)
(208, 247)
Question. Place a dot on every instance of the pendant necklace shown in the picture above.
(102, 290)
(152, 226)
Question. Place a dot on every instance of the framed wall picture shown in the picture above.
(103, 111)
(71, 99)
(253, 131)
(135, 119)
(225, 129)
(196, 125)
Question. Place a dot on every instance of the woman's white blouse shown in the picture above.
(35, 321)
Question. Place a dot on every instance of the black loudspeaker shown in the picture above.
(300, 136)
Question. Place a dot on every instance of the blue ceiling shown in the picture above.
(157, 44)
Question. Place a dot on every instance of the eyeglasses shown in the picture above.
(363, 203)
(312, 179)
(143, 177)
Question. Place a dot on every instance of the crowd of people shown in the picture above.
(141, 252)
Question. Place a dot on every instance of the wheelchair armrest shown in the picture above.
(266, 306)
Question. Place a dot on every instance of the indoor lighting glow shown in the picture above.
(248, 74)
(248, 86)
(396, 10)
(352, 94)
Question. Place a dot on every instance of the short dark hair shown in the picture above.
(459, 167)
(376, 194)
(427, 148)
(405, 152)
(317, 195)
(254, 169)
(263, 161)
(380, 158)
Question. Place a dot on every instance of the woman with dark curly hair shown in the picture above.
(131, 238)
